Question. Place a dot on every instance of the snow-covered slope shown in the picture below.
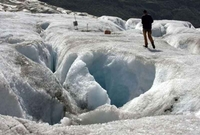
(33, 6)
(49, 70)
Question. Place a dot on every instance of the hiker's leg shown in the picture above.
(150, 38)
(145, 37)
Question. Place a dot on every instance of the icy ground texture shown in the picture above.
(176, 33)
(49, 70)
(158, 125)
(33, 6)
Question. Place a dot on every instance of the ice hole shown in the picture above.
(122, 78)
(45, 25)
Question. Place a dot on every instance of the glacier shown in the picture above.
(56, 79)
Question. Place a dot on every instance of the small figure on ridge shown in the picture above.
(147, 21)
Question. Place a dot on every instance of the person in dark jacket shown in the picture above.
(147, 21)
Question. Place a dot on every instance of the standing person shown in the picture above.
(147, 21)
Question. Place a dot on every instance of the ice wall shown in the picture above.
(92, 75)
(123, 79)
(9, 101)
(29, 90)
(38, 52)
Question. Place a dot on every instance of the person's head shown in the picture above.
(145, 12)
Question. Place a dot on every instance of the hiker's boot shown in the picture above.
(153, 45)
(146, 46)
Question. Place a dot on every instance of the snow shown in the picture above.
(82, 85)
(178, 34)
(132, 23)
(9, 104)
(29, 87)
(33, 6)
(120, 24)
(169, 125)
(102, 114)
(38, 52)
(55, 74)
(123, 79)
(30, 90)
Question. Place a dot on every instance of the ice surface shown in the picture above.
(31, 87)
(116, 20)
(132, 23)
(178, 34)
(34, 6)
(29, 90)
(168, 125)
(38, 52)
(9, 104)
(85, 89)
(49, 70)
(186, 41)
(105, 113)
(124, 79)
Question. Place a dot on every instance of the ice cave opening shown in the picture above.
(123, 78)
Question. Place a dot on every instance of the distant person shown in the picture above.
(147, 21)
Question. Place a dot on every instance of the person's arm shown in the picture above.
(142, 20)
(151, 19)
